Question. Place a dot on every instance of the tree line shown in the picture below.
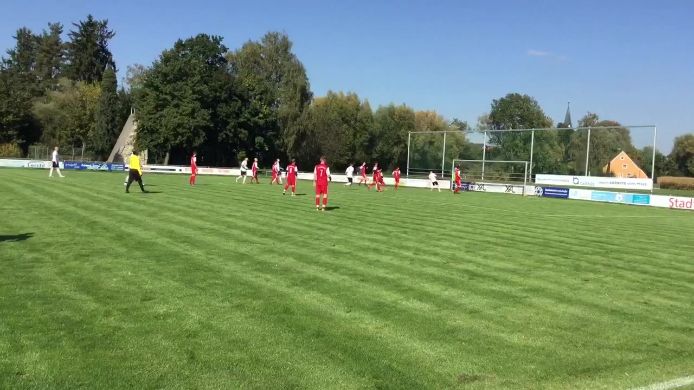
(61, 92)
(256, 101)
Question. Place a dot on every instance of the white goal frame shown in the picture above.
(485, 162)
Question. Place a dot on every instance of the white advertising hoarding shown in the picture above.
(16, 163)
(672, 202)
(594, 182)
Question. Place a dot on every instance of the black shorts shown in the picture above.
(243, 173)
(55, 164)
(435, 183)
(349, 179)
(135, 175)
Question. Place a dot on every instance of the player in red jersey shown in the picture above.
(254, 171)
(292, 173)
(276, 173)
(193, 168)
(375, 178)
(458, 180)
(396, 177)
(362, 173)
(321, 177)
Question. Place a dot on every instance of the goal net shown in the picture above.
(493, 175)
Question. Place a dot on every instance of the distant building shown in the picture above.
(567, 118)
(623, 166)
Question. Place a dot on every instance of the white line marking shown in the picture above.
(673, 384)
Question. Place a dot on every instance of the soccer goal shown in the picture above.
(493, 175)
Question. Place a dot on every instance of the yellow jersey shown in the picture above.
(135, 163)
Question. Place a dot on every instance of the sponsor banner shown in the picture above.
(610, 197)
(94, 166)
(498, 188)
(17, 163)
(595, 182)
(554, 192)
(672, 202)
(576, 193)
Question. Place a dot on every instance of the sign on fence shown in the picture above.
(11, 163)
(673, 202)
(94, 166)
(595, 181)
(554, 192)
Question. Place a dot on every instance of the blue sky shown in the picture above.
(630, 61)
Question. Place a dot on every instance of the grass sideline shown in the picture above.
(226, 286)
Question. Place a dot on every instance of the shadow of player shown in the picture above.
(16, 237)
(329, 208)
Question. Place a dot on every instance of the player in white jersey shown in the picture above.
(434, 181)
(349, 172)
(55, 163)
(244, 170)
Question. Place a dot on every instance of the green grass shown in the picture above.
(228, 286)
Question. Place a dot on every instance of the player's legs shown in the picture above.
(139, 181)
(294, 189)
(131, 177)
(325, 200)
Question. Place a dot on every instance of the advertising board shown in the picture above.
(672, 202)
(553, 192)
(595, 182)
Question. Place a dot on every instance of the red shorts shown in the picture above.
(274, 175)
(193, 172)
(254, 173)
(291, 180)
(321, 188)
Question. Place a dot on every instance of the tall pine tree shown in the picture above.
(50, 55)
(18, 88)
(88, 54)
(107, 115)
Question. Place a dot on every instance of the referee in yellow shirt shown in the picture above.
(135, 172)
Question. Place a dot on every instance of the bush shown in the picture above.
(677, 183)
(10, 150)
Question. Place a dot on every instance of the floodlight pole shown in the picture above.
(532, 147)
(655, 133)
(407, 171)
(484, 152)
(587, 152)
(443, 157)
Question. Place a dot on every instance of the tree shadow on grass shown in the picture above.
(15, 237)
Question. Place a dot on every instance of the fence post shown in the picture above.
(587, 152)
(655, 132)
(532, 149)
(443, 157)
(407, 171)
(484, 152)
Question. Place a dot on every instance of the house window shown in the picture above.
(621, 157)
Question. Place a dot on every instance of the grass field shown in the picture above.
(227, 286)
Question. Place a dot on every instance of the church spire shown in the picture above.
(567, 118)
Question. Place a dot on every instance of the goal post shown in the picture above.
(494, 175)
